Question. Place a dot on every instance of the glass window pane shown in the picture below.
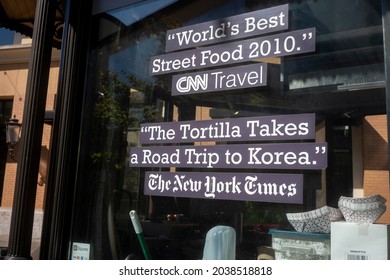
(341, 81)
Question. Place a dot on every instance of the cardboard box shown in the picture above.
(353, 241)
(292, 245)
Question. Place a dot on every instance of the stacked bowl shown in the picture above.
(315, 221)
(362, 210)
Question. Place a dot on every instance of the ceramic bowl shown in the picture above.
(362, 210)
(315, 221)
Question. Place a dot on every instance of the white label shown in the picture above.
(80, 251)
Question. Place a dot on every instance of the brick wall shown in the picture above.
(375, 160)
(13, 80)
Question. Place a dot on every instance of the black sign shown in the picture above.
(289, 43)
(256, 156)
(247, 76)
(262, 128)
(281, 188)
(219, 44)
(230, 28)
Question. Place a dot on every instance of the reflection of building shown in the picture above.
(14, 67)
(105, 92)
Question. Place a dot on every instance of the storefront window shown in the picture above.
(320, 63)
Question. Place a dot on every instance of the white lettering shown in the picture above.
(156, 182)
(207, 57)
(205, 157)
(162, 65)
(258, 157)
(183, 185)
(216, 186)
(251, 23)
(253, 187)
(188, 83)
(276, 129)
(163, 158)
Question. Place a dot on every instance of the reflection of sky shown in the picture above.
(136, 12)
(133, 58)
(6, 37)
(226, 9)
(335, 16)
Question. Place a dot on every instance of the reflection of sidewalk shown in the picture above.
(34, 246)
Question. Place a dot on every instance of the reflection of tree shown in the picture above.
(119, 110)
(121, 107)
(110, 115)
(113, 97)
(107, 153)
(113, 110)
(147, 105)
(116, 115)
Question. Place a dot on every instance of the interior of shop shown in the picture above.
(342, 82)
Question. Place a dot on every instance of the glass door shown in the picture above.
(202, 113)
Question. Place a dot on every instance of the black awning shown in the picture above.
(18, 15)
